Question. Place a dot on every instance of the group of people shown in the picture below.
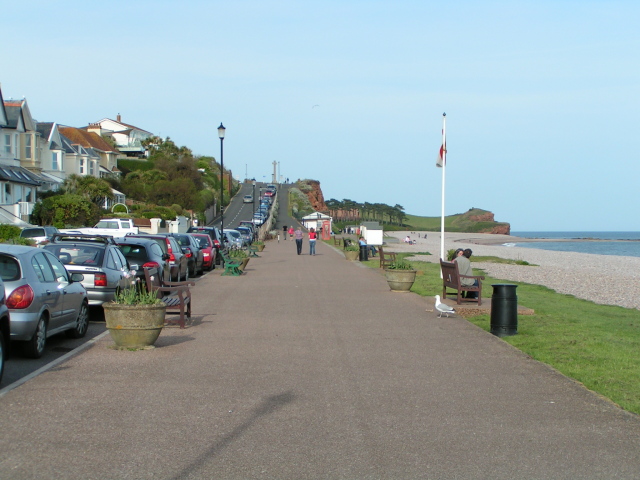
(299, 236)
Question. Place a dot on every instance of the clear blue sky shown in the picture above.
(542, 97)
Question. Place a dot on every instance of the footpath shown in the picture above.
(308, 367)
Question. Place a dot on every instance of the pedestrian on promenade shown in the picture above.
(284, 231)
(298, 235)
(290, 231)
(312, 241)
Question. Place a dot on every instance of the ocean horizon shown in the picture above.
(624, 244)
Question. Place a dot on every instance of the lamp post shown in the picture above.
(253, 201)
(221, 130)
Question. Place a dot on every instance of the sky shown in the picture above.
(542, 98)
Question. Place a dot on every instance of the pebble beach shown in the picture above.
(603, 279)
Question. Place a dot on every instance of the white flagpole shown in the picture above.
(444, 168)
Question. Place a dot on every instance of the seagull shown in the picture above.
(443, 308)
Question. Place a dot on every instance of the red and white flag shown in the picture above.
(442, 156)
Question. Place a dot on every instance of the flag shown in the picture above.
(442, 155)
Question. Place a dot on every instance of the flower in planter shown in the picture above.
(400, 265)
(137, 294)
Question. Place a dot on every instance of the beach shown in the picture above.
(603, 279)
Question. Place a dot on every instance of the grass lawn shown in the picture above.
(597, 345)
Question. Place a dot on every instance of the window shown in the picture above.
(81, 166)
(91, 167)
(27, 146)
(54, 161)
(7, 193)
(7, 143)
(42, 268)
(61, 273)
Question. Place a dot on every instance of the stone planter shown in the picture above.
(351, 256)
(400, 280)
(245, 260)
(260, 247)
(134, 326)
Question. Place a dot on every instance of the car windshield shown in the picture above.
(234, 234)
(9, 268)
(85, 255)
(32, 232)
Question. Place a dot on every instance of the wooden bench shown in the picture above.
(336, 240)
(386, 258)
(231, 265)
(175, 295)
(451, 278)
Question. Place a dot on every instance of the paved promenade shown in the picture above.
(308, 367)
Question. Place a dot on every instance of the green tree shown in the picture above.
(96, 190)
(66, 210)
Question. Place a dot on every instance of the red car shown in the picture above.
(208, 249)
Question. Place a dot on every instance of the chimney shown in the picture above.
(119, 119)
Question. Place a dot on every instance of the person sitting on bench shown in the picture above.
(464, 268)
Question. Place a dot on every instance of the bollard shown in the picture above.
(364, 253)
(504, 310)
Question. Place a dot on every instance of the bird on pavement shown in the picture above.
(443, 308)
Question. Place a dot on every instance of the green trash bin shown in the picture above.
(504, 310)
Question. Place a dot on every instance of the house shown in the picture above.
(127, 138)
(92, 154)
(52, 156)
(19, 161)
(316, 220)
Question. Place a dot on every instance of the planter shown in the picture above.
(245, 260)
(400, 280)
(134, 326)
(351, 256)
(260, 247)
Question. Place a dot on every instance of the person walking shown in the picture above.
(291, 232)
(312, 242)
(298, 235)
(284, 231)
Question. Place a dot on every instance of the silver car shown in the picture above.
(42, 297)
(98, 258)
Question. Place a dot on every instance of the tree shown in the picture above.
(96, 190)
(66, 211)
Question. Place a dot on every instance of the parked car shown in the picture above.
(98, 258)
(177, 260)
(247, 199)
(5, 328)
(209, 250)
(40, 235)
(215, 235)
(191, 248)
(43, 298)
(144, 253)
(247, 234)
(259, 218)
(234, 238)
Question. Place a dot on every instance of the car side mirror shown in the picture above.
(76, 277)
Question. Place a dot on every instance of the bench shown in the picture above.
(253, 251)
(336, 240)
(386, 258)
(451, 278)
(175, 295)
(231, 265)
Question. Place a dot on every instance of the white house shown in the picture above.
(315, 220)
(128, 139)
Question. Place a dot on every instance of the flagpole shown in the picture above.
(444, 167)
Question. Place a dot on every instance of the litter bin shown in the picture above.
(504, 310)
(364, 253)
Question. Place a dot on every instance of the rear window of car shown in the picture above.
(85, 255)
(9, 268)
(182, 240)
(203, 240)
(134, 252)
(33, 232)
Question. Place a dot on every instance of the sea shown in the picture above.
(624, 244)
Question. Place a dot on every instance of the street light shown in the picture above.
(253, 201)
(221, 130)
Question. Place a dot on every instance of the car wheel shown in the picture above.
(82, 323)
(34, 348)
